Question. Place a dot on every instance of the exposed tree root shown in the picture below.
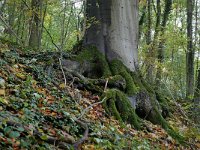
(117, 104)
(136, 95)
(128, 95)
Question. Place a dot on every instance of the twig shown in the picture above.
(73, 79)
(61, 67)
(86, 109)
(106, 84)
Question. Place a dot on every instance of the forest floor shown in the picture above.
(40, 110)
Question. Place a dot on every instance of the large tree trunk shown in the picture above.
(114, 29)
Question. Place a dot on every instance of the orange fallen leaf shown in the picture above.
(198, 145)
(2, 92)
(54, 114)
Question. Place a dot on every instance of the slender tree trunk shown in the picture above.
(148, 37)
(196, 38)
(11, 15)
(35, 23)
(190, 52)
(63, 26)
(168, 5)
(151, 55)
(142, 20)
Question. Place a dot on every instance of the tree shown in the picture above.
(115, 35)
(35, 24)
(113, 30)
(11, 17)
(190, 52)
(168, 5)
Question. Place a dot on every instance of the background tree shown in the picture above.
(190, 51)
(35, 24)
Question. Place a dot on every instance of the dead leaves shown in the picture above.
(103, 129)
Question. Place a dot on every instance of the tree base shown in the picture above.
(135, 101)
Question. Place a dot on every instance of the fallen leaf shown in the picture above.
(96, 97)
(2, 92)
(21, 76)
(62, 85)
(88, 147)
(54, 114)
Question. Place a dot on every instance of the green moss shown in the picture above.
(118, 68)
(118, 79)
(163, 103)
(93, 56)
(137, 81)
(120, 107)
(113, 110)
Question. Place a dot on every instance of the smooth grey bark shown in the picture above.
(114, 29)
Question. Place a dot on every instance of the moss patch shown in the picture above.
(96, 58)
(118, 105)
(118, 68)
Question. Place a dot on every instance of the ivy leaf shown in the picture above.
(44, 137)
(7, 130)
(14, 134)
(20, 129)
(2, 100)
